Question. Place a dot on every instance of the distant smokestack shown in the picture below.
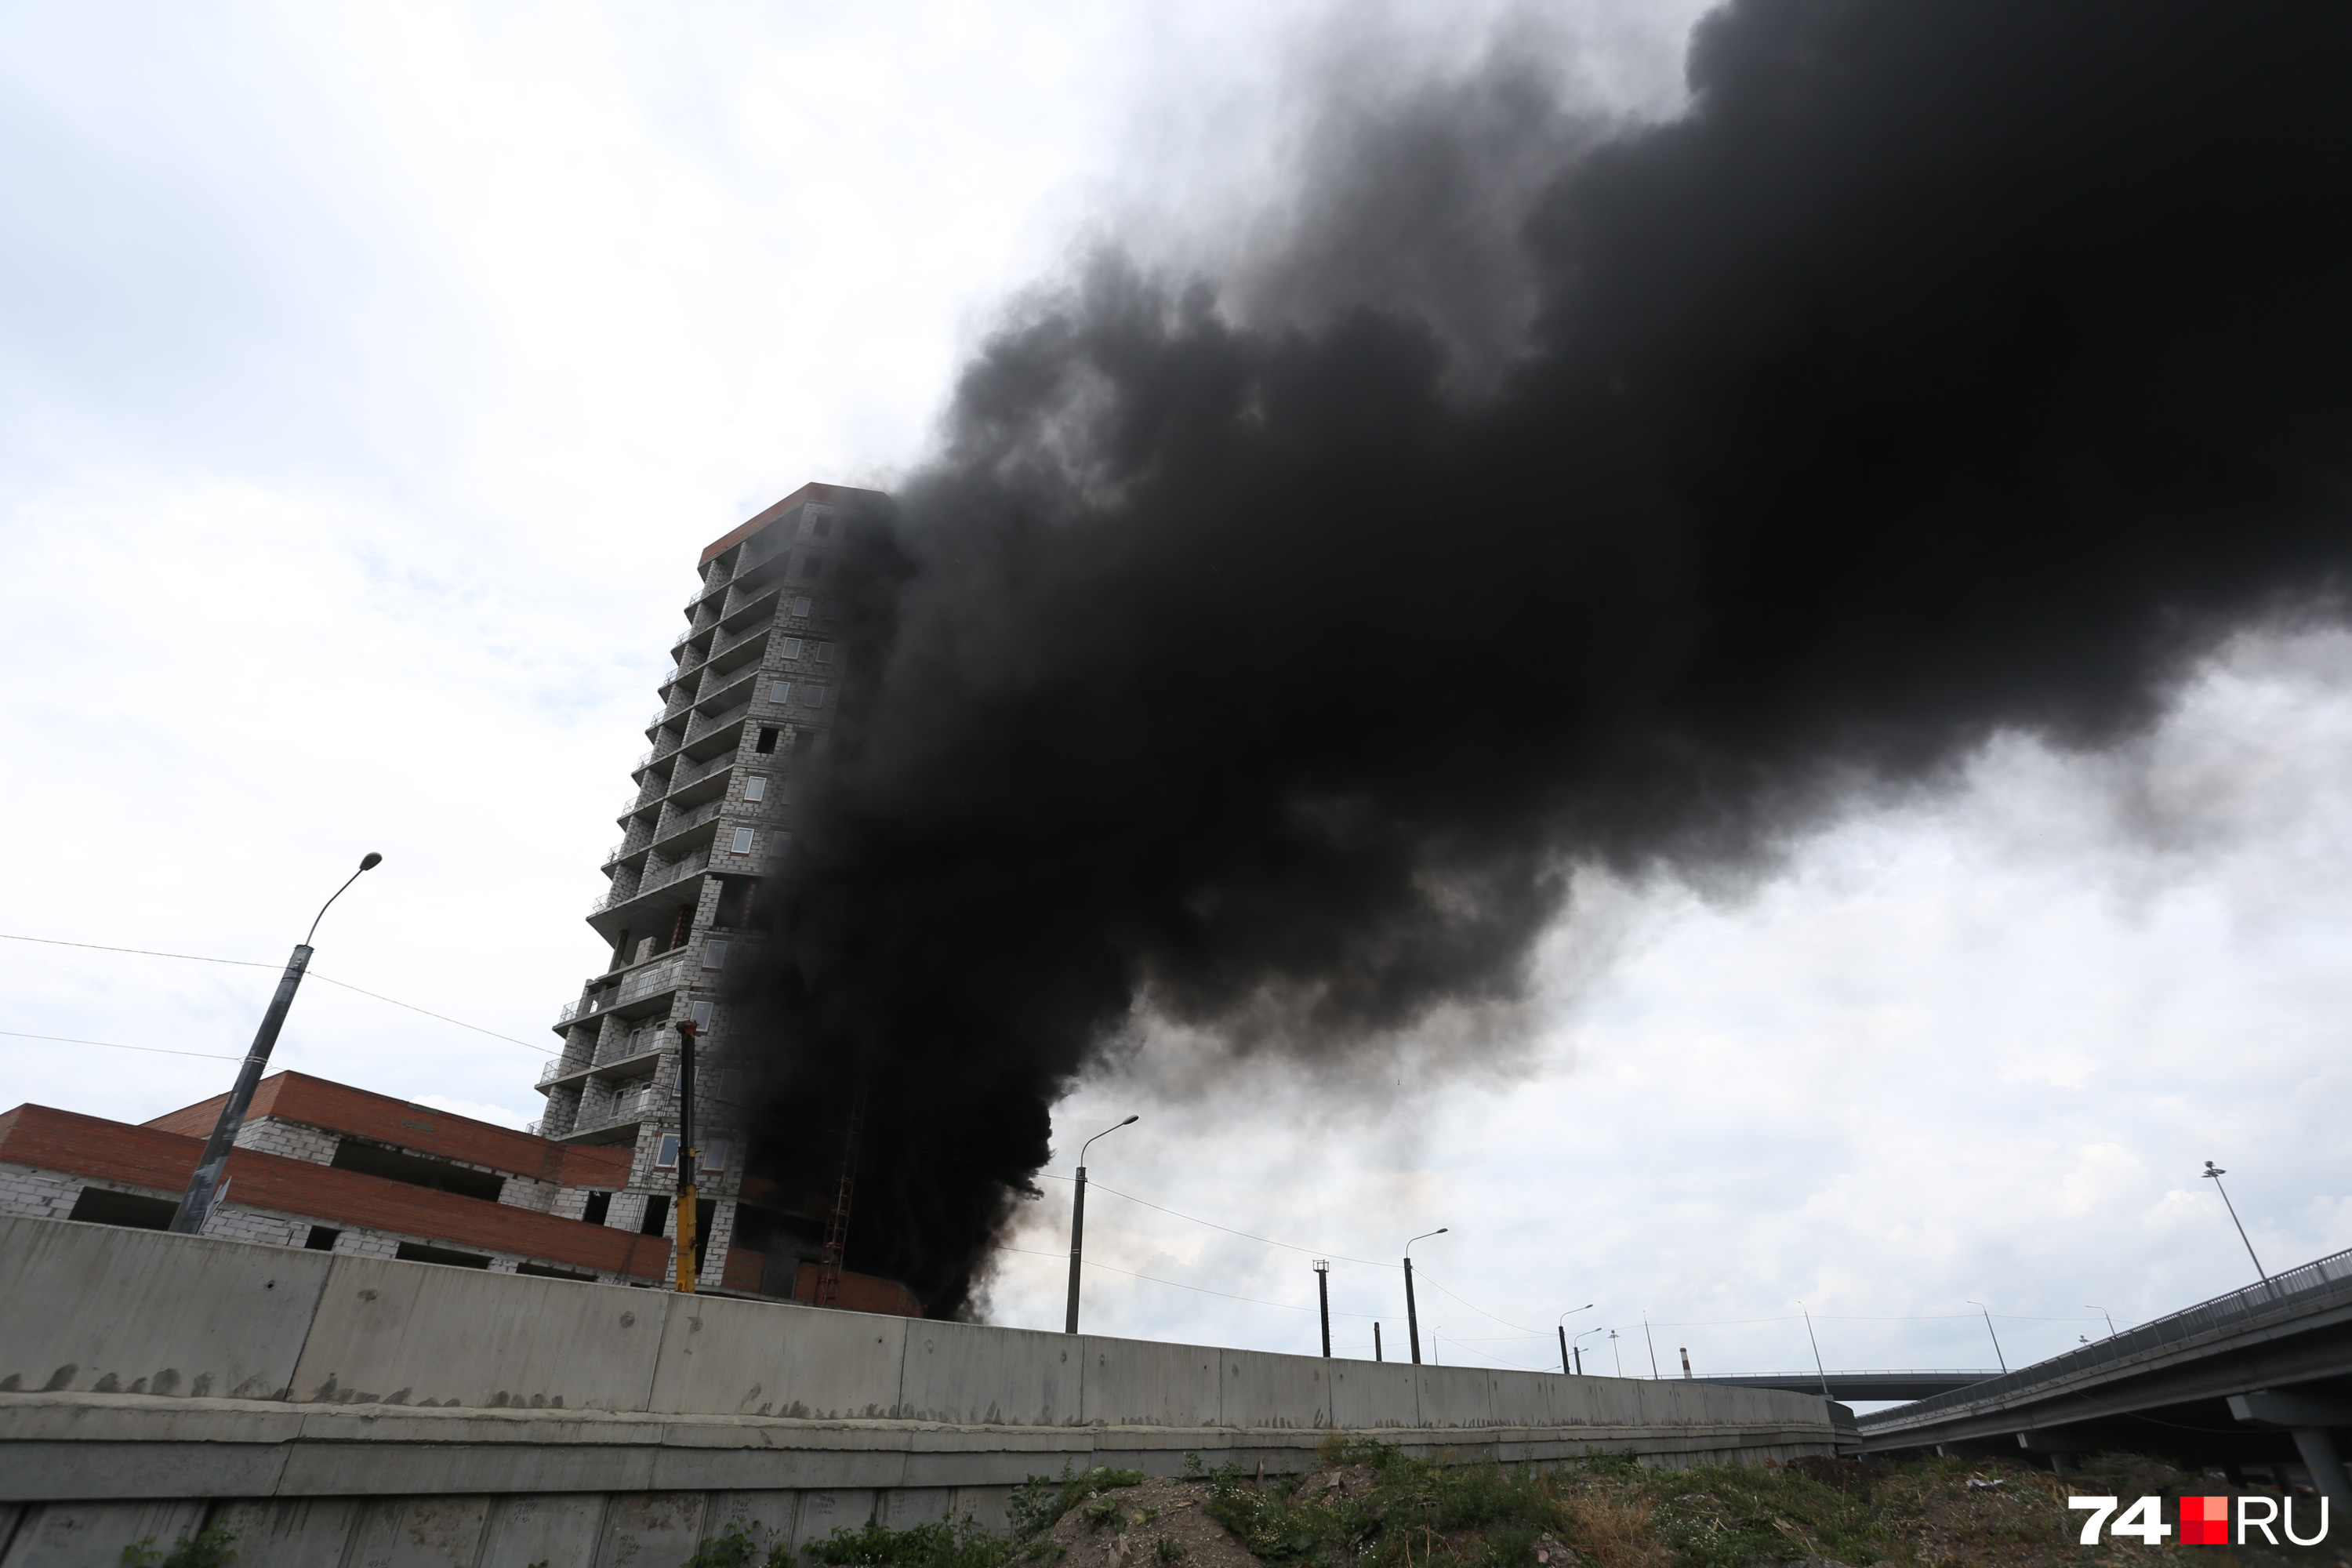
(1949, 367)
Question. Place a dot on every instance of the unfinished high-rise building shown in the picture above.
(753, 687)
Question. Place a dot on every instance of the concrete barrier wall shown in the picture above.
(335, 1408)
(95, 1309)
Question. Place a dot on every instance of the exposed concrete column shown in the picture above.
(2318, 1449)
(2307, 1419)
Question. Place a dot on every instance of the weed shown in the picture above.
(1170, 1550)
(1041, 1501)
(209, 1549)
(736, 1549)
(950, 1543)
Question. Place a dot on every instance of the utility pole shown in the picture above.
(1413, 1317)
(1323, 1299)
(685, 1155)
(1980, 1306)
(1376, 1342)
(1078, 1223)
(1686, 1371)
(1563, 1326)
(1817, 1349)
(204, 1187)
(2214, 1174)
(1652, 1344)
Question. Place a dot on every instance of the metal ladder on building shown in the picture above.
(836, 1225)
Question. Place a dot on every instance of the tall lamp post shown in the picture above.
(687, 1153)
(2214, 1174)
(1413, 1319)
(1980, 1306)
(1562, 1327)
(1323, 1299)
(2110, 1317)
(203, 1187)
(1578, 1349)
(1078, 1221)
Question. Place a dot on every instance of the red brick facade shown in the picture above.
(379, 1118)
(89, 1146)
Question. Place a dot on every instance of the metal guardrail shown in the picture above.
(2282, 1296)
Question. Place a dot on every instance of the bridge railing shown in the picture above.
(2283, 1295)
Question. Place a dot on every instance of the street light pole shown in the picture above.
(1412, 1318)
(687, 1155)
(2214, 1174)
(1562, 1327)
(203, 1187)
(2110, 1317)
(1980, 1306)
(1078, 1222)
(1579, 1350)
(1323, 1299)
(1809, 1338)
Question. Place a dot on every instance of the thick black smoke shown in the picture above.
(1951, 365)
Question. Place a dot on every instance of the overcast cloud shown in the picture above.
(368, 382)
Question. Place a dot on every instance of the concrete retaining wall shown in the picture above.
(338, 1411)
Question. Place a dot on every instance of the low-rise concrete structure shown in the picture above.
(340, 1408)
(327, 1167)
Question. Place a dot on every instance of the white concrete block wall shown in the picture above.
(232, 1222)
(36, 1193)
(270, 1135)
(530, 1193)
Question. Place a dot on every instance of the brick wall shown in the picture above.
(338, 1107)
(61, 1144)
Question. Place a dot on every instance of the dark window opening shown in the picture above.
(822, 526)
(417, 1170)
(599, 1205)
(322, 1238)
(549, 1271)
(681, 927)
(417, 1252)
(703, 1209)
(735, 898)
(98, 1205)
(767, 745)
(656, 1215)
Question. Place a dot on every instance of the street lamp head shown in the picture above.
(1136, 1117)
(371, 860)
(2213, 1171)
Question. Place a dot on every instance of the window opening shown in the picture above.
(767, 745)
(322, 1238)
(656, 1218)
(599, 1205)
(825, 653)
(755, 789)
(417, 1252)
(792, 648)
(741, 843)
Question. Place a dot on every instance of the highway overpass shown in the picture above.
(1847, 1386)
(2262, 1376)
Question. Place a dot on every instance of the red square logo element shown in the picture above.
(2204, 1521)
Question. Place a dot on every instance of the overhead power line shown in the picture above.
(110, 1044)
(252, 963)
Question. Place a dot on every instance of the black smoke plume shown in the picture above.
(1949, 366)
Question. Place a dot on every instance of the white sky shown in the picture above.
(369, 379)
